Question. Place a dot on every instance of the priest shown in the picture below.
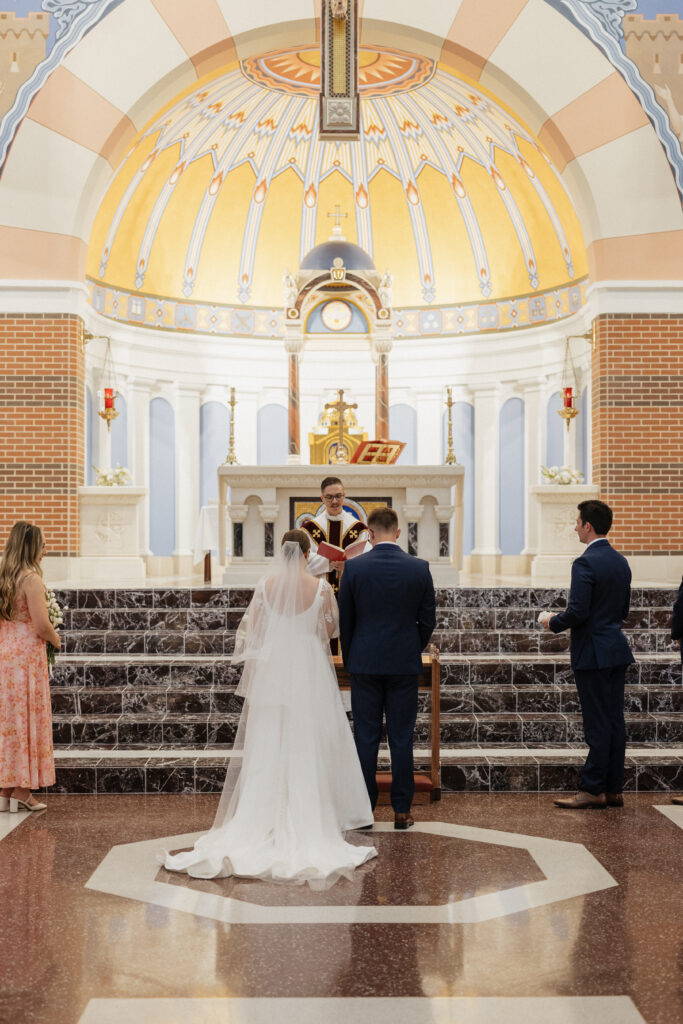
(336, 526)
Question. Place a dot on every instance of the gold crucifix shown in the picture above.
(341, 406)
(338, 217)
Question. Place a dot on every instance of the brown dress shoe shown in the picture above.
(615, 799)
(677, 799)
(582, 801)
(403, 821)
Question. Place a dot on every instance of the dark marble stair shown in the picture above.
(144, 701)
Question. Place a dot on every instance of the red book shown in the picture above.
(335, 554)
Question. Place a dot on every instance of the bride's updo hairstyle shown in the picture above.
(299, 537)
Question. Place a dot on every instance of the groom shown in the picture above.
(386, 616)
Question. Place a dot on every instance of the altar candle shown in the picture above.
(108, 398)
(567, 398)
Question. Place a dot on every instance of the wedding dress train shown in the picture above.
(294, 784)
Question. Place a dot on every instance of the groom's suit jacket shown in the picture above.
(387, 612)
(599, 601)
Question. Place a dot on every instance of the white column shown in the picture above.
(102, 450)
(186, 407)
(139, 394)
(429, 406)
(534, 432)
(486, 553)
(246, 422)
(570, 452)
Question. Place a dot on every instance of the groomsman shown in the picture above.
(599, 601)
(677, 634)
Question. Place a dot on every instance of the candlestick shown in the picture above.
(450, 459)
(231, 458)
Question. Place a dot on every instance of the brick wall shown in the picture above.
(638, 429)
(42, 433)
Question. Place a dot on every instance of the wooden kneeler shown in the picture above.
(427, 784)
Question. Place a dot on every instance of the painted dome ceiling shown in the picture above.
(230, 186)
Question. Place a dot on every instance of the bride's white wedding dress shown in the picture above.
(298, 784)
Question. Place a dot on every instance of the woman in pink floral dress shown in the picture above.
(26, 758)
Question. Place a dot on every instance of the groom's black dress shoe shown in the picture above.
(403, 821)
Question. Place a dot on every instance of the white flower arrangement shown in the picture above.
(118, 477)
(55, 614)
(561, 475)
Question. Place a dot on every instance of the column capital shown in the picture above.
(238, 513)
(294, 344)
(268, 513)
(413, 513)
(488, 390)
(444, 513)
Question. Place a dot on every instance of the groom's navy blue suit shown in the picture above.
(598, 604)
(387, 614)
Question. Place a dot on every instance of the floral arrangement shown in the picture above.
(56, 617)
(561, 475)
(118, 477)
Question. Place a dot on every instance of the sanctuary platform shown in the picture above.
(144, 701)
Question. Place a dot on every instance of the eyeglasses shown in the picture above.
(330, 498)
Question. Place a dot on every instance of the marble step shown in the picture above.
(214, 729)
(217, 618)
(157, 641)
(543, 770)
(226, 597)
(475, 670)
(174, 699)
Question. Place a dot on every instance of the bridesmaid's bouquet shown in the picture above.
(56, 617)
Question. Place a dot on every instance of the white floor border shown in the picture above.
(570, 870)
(8, 821)
(672, 811)
(455, 1010)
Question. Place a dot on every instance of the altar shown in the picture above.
(263, 502)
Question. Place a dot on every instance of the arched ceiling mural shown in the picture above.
(230, 186)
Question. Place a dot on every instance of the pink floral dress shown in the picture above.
(26, 757)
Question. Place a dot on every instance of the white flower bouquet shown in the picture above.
(118, 477)
(55, 614)
(561, 475)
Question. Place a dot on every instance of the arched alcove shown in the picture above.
(403, 427)
(213, 446)
(511, 481)
(162, 481)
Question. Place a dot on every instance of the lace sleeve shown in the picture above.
(330, 611)
(248, 631)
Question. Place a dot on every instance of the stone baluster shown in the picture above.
(413, 515)
(269, 514)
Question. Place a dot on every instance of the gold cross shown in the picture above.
(341, 406)
(338, 216)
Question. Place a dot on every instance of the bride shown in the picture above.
(294, 784)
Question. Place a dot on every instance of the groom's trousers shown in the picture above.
(373, 697)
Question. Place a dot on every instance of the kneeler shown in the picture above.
(427, 782)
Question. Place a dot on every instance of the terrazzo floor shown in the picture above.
(496, 907)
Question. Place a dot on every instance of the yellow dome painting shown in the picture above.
(230, 186)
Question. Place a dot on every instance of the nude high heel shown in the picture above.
(14, 806)
(4, 803)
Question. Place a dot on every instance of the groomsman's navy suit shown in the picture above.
(677, 618)
(598, 604)
(387, 614)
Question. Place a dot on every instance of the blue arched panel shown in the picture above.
(357, 324)
(213, 448)
(161, 477)
(511, 478)
(554, 439)
(581, 423)
(119, 434)
(403, 427)
(90, 437)
(272, 435)
(463, 444)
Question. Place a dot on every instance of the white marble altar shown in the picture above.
(427, 499)
(558, 544)
(112, 534)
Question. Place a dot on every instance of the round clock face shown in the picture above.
(336, 315)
